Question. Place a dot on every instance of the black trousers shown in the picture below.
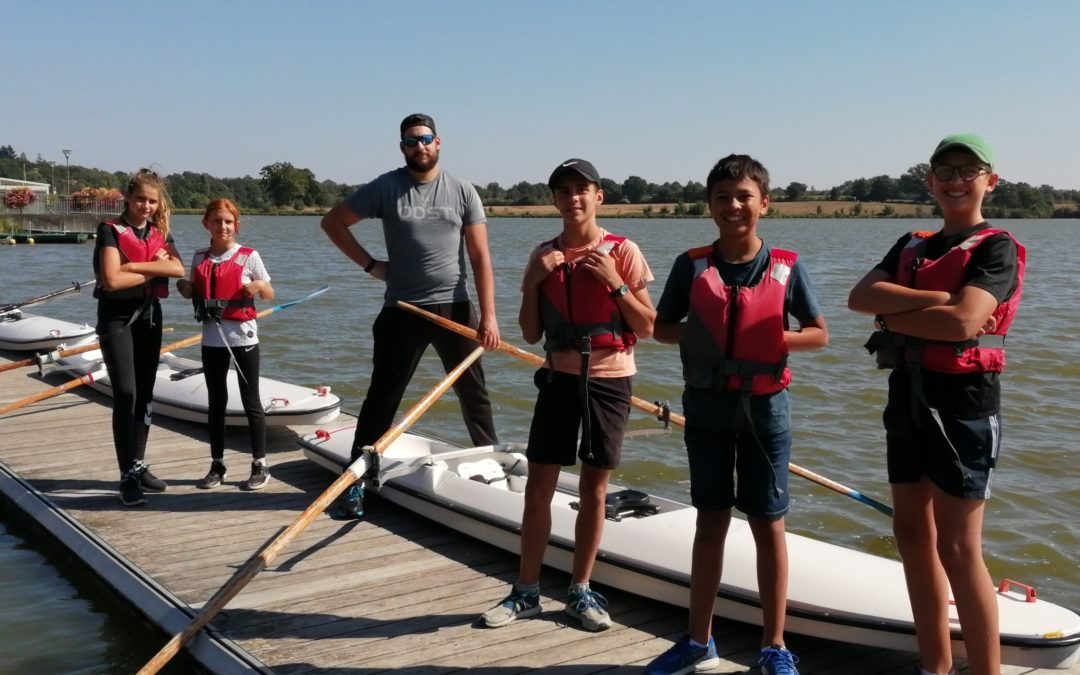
(401, 338)
(130, 350)
(216, 364)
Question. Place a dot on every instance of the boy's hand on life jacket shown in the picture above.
(543, 265)
(161, 254)
(602, 266)
(989, 327)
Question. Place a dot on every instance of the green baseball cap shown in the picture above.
(971, 143)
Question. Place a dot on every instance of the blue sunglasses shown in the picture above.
(412, 141)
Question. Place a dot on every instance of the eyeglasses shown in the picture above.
(967, 173)
(412, 141)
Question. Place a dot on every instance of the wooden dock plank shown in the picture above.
(389, 592)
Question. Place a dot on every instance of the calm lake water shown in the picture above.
(1031, 532)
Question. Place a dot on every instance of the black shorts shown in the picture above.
(553, 436)
(957, 455)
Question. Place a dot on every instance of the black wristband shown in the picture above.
(880, 321)
(370, 266)
(620, 291)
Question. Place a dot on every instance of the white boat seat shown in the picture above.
(487, 471)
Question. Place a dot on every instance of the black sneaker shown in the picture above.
(350, 506)
(130, 492)
(214, 477)
(149, 482)
(260, 476)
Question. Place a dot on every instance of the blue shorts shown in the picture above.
(957, 455)
(716, 458)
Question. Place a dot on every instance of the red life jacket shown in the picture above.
(574, 304)
(734, 335)
(220, 286)
(984, 355)
(134, 249)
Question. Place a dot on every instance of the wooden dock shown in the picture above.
(391, 592)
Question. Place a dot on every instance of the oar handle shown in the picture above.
(268, 553)
(641, 404)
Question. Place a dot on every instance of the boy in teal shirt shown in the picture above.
(735, 296)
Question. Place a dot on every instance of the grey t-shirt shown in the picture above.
(423, 224)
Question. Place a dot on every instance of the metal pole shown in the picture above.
(67, 163)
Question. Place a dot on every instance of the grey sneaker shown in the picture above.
(588, 607)
(214, 477)
(148, 482)
(260, 476)
(517, 605)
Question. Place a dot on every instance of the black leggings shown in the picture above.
(216, 363)
(131, 351)
(401, 338)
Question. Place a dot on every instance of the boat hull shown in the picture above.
(20, 331)
(834, 592)
(180, 393)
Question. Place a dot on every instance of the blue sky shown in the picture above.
(821, 92)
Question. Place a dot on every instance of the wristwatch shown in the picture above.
(879, 320)
(620, 291)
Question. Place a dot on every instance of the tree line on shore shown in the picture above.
(283, 188)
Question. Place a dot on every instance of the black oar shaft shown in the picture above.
(75, 286)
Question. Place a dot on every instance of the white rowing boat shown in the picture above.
(20, 331)
(834, 592)
(180, 393)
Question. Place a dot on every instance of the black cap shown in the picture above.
(574, 165)
(418, 120)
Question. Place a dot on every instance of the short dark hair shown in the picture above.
(737, 167)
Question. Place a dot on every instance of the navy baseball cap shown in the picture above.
(578, 166)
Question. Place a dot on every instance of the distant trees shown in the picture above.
(283, 186)
(795, 191)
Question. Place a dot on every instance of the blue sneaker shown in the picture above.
(777, 661)
(683, 657)
(588, 607)
(350, 506)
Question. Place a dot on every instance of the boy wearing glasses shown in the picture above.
(727, 305)
(585, 383)
(431, 222)
(944, 302)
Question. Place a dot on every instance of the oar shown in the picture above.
(186, 342)
(52, 357)
(651, 408)
(269, 552)
(75, 286)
